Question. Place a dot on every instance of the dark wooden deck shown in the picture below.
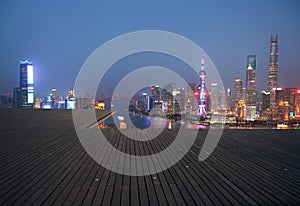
(43, 162)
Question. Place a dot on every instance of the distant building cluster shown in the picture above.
(162, 100)
(24, 97)
(274, 103)
(245, 103)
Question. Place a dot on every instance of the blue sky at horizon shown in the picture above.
(58, 36)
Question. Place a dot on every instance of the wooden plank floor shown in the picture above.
(43, 163)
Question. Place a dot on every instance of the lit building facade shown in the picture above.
(278, 110)
(250, 95)
(228, 101)
(289, 98)
(100, 105)
(222, 101)
(26, 84)
(238, 97)
(265, 105)
(214, 103)
(53, 91)
(155, 92)
(297, 104)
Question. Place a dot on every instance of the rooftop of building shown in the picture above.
(43, 162)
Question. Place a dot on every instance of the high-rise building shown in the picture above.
(26, 83)
(17, 98)
(250, 95)
(71, 94)
(214, 103)
(228, 100)
(297, 104)
(222, 101)
(273, 65)
(289, 98)
(155, 93)
(278, 112)
(178, 100)
(54, 93)
(273, 73)
(238, 94)
(265, 100)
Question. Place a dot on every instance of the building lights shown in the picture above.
(29, 74)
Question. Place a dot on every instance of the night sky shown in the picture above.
(58, 36)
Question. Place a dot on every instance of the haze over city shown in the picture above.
(58, 36)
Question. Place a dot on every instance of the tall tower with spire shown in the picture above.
(273, 71)
(273, 66)
(201, 101)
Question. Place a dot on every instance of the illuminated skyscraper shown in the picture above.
(297, 104)
(54, 93)
(222, 101)
(289, 97)
(273, 72)
(238, 91)
(273, 66)
(278, 112)
(250, 96)
(238, 97)
(228, 100)
(214, 107)
(26, 83)
(265, 99)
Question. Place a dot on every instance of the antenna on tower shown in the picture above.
(202, 59)
(201, 101)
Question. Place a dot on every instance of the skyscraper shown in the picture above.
(273, 72)
(251, 60)
(53, 91)
(250, 96)
(265, 99)
(26, 83)
(289, 97)
(273, 66)
(238, 91)
(297, 104)
(228, 100)
(278, 112)
(238, 97)
(17, 97)
(214, 103)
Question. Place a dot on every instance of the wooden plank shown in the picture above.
(247, 167)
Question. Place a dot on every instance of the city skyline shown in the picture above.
(59, 48)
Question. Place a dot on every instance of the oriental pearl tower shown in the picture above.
(201, 100)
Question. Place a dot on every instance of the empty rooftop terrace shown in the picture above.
(42, 162)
